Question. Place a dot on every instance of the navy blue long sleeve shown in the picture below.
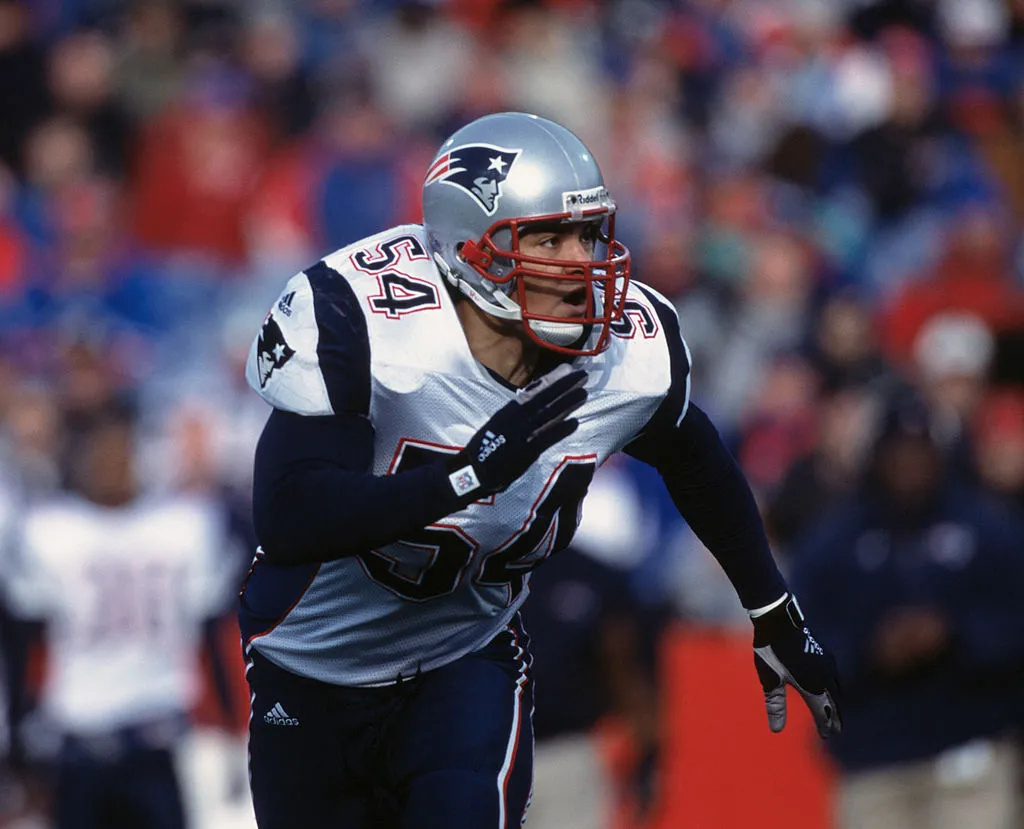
(314, 498)
(712, 494)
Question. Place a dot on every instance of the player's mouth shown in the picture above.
(576, 301)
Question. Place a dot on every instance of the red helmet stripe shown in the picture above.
(438, 168)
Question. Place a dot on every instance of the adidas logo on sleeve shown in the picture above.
(278, 716)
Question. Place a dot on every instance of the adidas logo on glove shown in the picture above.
(489, 443)
(811, 644)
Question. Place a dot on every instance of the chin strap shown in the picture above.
(499, 305)
(557, 333)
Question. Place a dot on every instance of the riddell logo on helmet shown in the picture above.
(576, 201)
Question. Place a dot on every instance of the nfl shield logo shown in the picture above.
(464, 480)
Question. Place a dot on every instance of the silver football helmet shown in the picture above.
(491, 181)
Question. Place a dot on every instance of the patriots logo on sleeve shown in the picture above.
(477, 169)
(272, 352)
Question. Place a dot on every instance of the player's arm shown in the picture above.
(703, 479)
(29, 601)
(713, 496)
(315, 497)
(18, 639)
(213, 648)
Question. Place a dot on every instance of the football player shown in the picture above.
(127, 585)
(442, 394)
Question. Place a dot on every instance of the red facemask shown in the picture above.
(609, 275)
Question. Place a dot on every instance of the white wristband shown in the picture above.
(760, 611)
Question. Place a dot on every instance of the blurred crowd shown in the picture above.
(831, 193)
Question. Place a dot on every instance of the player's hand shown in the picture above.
(517, 434)
(785, 653)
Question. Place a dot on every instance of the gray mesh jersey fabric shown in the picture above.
(430, 395)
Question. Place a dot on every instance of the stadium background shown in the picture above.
(830, 192)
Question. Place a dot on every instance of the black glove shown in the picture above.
(785, 652)
(517, 434)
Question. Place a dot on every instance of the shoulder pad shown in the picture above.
(677, 400)
(311, 356)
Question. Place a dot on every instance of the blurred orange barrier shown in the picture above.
(722, 768)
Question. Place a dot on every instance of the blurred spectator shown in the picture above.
(998, 442)
(81, 80)
(748, 99)
(282, 222)
(23, 94)
(283, 92)
(486, 89)
(552, 54)
(831, 472)
(58, 155)
(974, 276)
(10, 379)
(977, 72)
(893, 170)
(358, 190)
(32, 442)
(150, 71)
(771, 316)
(124, 584)
(90, 382)
(14, 248)
(845, 347)
(733, 211)
(916, 582)
(652, 174)
(197, 165)
(330, 31)
(93, 281)
(952, 356)
(418, 34)
(780, 426)
(982, 83)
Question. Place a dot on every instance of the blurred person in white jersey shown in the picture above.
(442, 394)
(126, 585)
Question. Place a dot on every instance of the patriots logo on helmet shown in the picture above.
(272, 351)
(478, 169)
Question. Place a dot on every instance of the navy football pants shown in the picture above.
(140, 789)
(452, 747)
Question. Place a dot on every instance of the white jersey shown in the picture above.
(373, 330)
(123, 592)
